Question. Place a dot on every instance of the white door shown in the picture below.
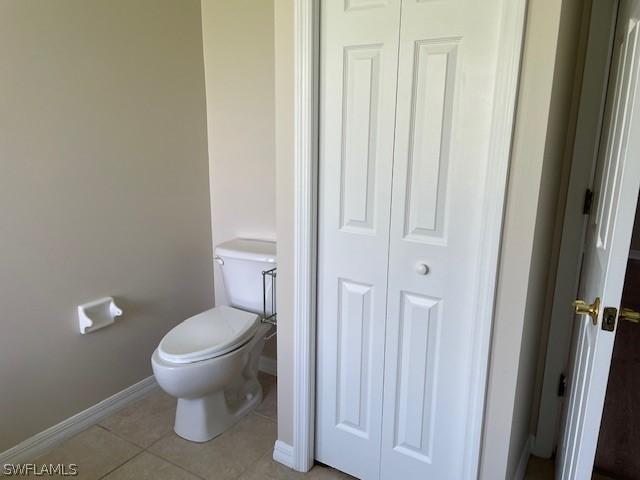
(406, 99)
(359, 57)
(608, 238)
(447, 63)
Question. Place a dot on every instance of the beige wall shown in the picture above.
(554, 182)
(536, 192)
(238, 39)
(103, 191)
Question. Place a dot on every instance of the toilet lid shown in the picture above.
(207, 335)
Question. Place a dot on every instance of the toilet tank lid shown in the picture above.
(248, 249)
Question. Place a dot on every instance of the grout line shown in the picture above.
(117, 436)
(266, 417)
(163, 436)
(175, 465)
(121, 437)
(251, 468)
(120, 465)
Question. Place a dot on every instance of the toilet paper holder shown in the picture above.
(97, 314)
(269, 293)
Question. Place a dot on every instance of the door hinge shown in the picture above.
(562, 385)
(588, 200)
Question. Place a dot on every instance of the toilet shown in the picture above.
(210, 361)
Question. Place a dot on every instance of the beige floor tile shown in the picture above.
(321, 472)
(95, 451)
(149, 467)
(225, 457)
(144, 421)
(268, 407)
(268, 469)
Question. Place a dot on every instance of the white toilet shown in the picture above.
(210, 361)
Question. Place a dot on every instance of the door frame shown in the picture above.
(590, 118)
(305, 207)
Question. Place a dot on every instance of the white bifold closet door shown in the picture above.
(406, 96)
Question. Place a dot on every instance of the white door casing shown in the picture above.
(358, 58)
(414, 318)
(608, 239)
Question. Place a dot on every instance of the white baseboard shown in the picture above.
(43, 441)
(268, 365)
(283, 453)
(524, 459)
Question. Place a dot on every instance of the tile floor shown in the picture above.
(138, 443)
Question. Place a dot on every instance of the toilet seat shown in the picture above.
(209, 334)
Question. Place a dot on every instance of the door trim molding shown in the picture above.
(502, 126)
(283, 453)
(306, 54)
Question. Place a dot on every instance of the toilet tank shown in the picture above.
(242, 262)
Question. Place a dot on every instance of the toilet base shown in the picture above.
(202, 419)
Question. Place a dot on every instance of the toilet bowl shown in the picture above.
(213, 393)
(209, 362)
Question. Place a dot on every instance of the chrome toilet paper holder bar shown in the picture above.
(269, 316)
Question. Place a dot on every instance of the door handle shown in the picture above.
(583, 308)
(629, 315)
(422, 269)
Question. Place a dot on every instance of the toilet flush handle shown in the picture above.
(218, 260)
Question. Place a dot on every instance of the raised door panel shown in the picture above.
(353, 376)
(616, 139)
(429, 139)
(361, 102)
(447, 64)
(416, 375)
(580, 376)
(359, 47)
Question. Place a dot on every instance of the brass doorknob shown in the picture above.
(583, 308)
(630, 315)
